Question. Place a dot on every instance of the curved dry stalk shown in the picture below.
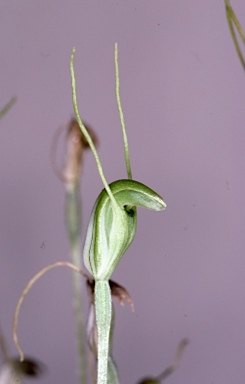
(173, 366)
(27, 289)
(170, 369)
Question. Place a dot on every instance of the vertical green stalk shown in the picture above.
(73, 221)
(103, 310)
(121, 115)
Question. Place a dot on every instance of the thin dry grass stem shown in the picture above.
(27, 289)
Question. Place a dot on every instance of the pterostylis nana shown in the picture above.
(111, 229)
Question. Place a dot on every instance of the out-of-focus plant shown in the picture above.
(12, 370)
(7, 106)
(234, 26)
(170, 369)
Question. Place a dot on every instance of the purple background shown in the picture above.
(183, 94)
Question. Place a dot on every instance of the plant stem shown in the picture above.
(121, 116)
(85, 132)
(73, 219)
(112, 376)
(103, 310)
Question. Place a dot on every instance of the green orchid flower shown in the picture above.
(111, 229)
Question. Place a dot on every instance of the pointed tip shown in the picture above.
(73, 52)
(161, 205)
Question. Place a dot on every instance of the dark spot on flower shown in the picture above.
(130, 211)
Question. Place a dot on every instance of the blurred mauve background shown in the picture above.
(183, 94)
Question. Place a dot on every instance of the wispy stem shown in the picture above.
(121, 116)
(86, 133)
(233, 21)
(27, 289)
(7, 106)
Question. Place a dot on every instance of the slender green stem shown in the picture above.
(73, 215)
(73, 220)
(233, 20)
(85, 132)
(103, 310)
(121, 116)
